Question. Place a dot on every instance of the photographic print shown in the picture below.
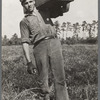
(49, 50)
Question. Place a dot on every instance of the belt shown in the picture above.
(46, 38)
(49, 37)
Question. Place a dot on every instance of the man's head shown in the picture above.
(28, 5)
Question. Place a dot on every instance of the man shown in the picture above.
(47, 50)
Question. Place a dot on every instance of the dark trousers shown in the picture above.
(48, 53)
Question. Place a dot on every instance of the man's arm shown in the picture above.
(25, 44)
(31, 68)
(25, 39)
(26, 51)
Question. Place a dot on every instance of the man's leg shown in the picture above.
(40, 53)
(57, 66)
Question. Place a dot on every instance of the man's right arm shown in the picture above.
(26, 51)
(25, 39)
(25, 43)
(31, 69)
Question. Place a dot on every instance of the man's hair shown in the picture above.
(22, 1)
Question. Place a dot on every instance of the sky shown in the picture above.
(80, 10)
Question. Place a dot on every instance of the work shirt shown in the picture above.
(33, 28)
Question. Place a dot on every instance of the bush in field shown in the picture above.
(80, 67)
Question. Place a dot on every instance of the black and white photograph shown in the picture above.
(49, 50)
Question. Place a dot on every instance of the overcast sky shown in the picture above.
(79, 11)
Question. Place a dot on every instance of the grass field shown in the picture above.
(81, 67)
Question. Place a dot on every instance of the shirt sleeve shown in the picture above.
(24, 32)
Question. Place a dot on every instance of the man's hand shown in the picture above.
(31, 69)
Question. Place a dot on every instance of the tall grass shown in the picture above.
(80, 66)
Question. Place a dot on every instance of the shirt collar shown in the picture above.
(33, 14)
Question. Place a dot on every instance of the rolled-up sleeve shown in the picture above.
(24, 32)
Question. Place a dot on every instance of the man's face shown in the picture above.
(29, 5)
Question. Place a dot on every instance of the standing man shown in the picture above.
(47, 50)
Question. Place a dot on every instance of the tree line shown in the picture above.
(14, 40)
(77, 33)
